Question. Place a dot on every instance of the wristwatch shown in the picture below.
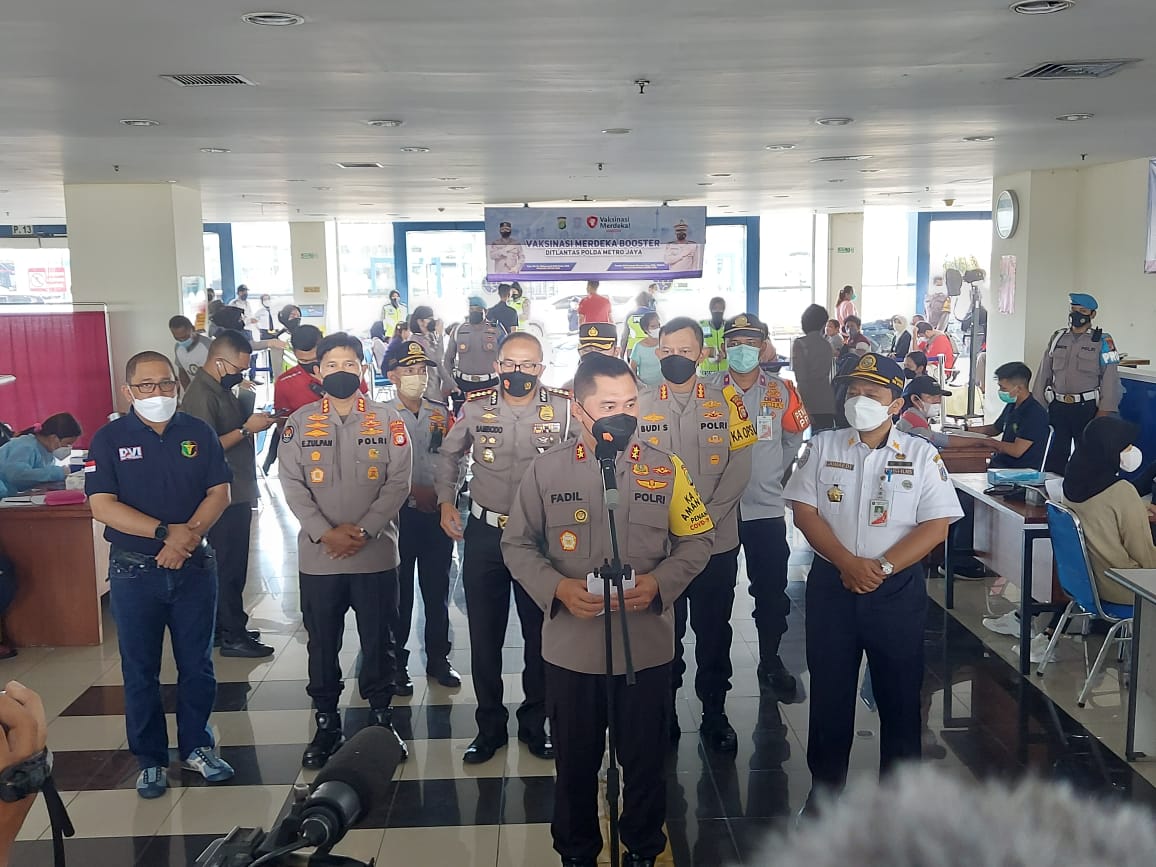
(161, 532)
(19, 781)
(244, 433)
(364, 533)
(886, 565)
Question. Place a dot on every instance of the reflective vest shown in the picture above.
(634, 332)
(712, 338)
(518, 306)
(391, 316)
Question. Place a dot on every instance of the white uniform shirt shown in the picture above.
(192, 359)
(872, 498)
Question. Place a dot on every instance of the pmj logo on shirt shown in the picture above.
(130, 453)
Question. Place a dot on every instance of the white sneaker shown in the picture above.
(1008, 624)
(1039, 647)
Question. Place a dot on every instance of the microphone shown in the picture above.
(355, 780)
(606, 452)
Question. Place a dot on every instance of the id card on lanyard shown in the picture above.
(880, 507)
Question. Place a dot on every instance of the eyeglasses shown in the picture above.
(531, 367)
(167, 386)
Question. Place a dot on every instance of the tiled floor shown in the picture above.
(443, 812)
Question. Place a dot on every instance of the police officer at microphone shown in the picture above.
(503, 430)
(1079, 377)
(345, 471)
(872, 502)
(709, 429)
(422, 543)
(558, 534)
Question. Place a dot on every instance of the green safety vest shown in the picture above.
(712, 338)
(390, 316)
(634, 333)
(519, 307)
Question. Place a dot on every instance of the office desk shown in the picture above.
(1005, 537)
(61, 563)
(1141, 740)
(969, 456)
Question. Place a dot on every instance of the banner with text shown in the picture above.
(594, 243)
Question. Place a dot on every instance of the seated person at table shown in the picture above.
(1023, 430)
(30, 459)
(1116, 521)
(923, 403)
(915, 364)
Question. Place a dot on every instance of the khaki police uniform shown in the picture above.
(1080, 376)
(558, 529)
(353, 470)
(502, 440)
(711, 431)
(871, 499)
(780, 421)
(422, 543)
(472, 351)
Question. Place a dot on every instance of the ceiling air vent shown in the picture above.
(213, 80)
(1076, 69)
(359, 165)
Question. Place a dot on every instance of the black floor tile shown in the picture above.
(441, 721)
(527, 800)
(282, 695)
(709, 841)
(119, 851)
(109, 700)
(440, 803)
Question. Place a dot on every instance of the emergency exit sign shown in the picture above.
(844, 249)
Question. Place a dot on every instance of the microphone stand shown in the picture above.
(613, 573)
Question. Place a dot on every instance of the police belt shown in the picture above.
(475, 377)
(1084, 397)
(491, 518)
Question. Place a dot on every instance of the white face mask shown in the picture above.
(413, 387)
(158, 409)
(62, 453)
(654, 332)
(1130, 459)
(931, 411)
(865, 413)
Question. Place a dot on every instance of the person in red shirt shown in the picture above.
(299, 385)
(594, 307)
(937, 343)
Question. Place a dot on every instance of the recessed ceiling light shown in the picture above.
(316, 215)
(168, 181)
(781, 196)
(972, 181)
(836, 180)
(323, 189)
(385, 123)
(869, 171)
(844, 158)
(719, 175)
(979, 138)
(414, 150)
(140, 121)
(358, 165)
(273, 19)
(367, 204)
(273, 204)
(295, 180)
(583, 200)
(1072, 118)
(616, 130)
(215, 151)
(479, 204)
(447, 179)
(705, 184)
(780, 147)
(835, 121)
(1041, 7)
(456, 189)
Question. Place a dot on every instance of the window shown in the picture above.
(262, 259)
(888, 264)
(786, 270)
(35, 271)
(365, 268)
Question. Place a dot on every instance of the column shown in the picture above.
(844, 256)
(313, 247)
(129, 246)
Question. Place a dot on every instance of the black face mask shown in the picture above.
(612, 434)
(677, 368)
(229, 380)
(716, 319)
(310, 367)
(1079, 320)
(293, 324)
(908, 373)
(396, 302)
(341, 385)
(518, 384)
(475, 319)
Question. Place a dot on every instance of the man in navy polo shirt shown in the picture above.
(158, 480)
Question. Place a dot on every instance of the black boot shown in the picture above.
(632, 860)
(774, 678)
(325, 742)
(383, 717)
(716, 729)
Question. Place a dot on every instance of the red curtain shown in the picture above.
(61, 364)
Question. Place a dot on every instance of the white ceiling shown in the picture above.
(512, 95)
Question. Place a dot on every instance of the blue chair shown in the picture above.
(1074, 568)
(382, 388)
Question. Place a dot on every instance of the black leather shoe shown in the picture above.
(325, 742)
(579, 862)
(774, 678)
(383, 717)
(539, 744)
(482, 750)
(718, 734)
(632, 860)
(247, 648)
(255, 634)
(446, 676)
(402, 684)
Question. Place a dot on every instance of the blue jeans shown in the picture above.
(145, 600)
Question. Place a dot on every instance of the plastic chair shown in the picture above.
(1074, 567)
(382, 387)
